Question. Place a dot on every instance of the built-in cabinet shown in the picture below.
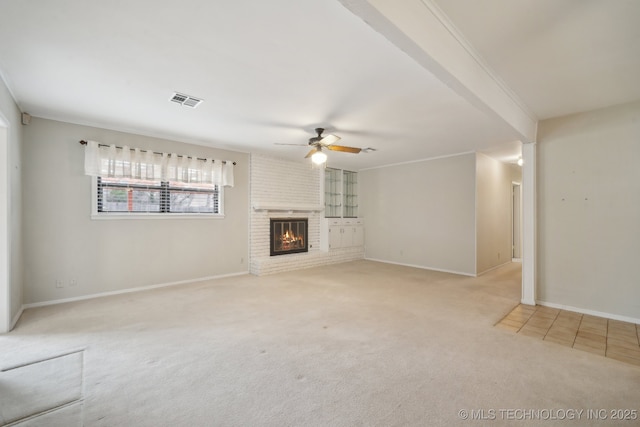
(345, 232)
(340, 193)
(349, 194)
(332, 193)
(341, 227)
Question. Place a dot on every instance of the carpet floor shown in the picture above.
(353, 344)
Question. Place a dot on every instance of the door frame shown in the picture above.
(5, 291)
(529, 223)
(516, 221)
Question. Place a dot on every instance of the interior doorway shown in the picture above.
(516, 221)
(5, 311)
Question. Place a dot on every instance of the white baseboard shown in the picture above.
(129, 290)
(590, 312)
(421, 267)
(494, 268)
(16, 318)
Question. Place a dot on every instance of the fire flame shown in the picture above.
(289, 238)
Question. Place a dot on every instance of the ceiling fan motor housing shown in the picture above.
(316, 138)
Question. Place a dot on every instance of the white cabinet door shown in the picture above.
(343, 233)
(358, 235)
(347, 236)
(335, 237)
(352, 235)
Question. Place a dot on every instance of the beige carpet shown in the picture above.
(353, 344)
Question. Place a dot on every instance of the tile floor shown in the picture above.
(611, 338)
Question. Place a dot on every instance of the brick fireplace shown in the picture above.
(282, 189)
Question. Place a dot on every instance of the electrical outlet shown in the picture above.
(59, 283)
(73, 282)
(241, 260)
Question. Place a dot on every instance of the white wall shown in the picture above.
(589, 210)
(62, 242)
(12, 153)
(493, 213)
(422, 213)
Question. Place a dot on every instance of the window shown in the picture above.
(140, 196)
(135, 183)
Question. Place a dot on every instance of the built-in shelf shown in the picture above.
(340, 193)
(285, 208)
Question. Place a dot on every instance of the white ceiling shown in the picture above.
(560, 56)
(270, 72)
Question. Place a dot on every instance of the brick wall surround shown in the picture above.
(282, 183)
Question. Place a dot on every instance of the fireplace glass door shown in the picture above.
(288, 235)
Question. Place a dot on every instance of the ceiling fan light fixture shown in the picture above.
(520, 161)
(319, 157)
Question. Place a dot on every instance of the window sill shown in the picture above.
(120, 216)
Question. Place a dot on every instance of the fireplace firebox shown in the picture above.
(288, 236)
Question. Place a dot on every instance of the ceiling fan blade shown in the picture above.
(329, 139)
(353, 150)
(311, 153)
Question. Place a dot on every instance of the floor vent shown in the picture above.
(186, 100)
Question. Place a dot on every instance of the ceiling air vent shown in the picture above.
(186, 100)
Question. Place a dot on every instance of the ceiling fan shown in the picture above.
(319, 142)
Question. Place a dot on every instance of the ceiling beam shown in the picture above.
(423, 31)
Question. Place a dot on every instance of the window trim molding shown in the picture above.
(95, 215)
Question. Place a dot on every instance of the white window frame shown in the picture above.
(151, 215)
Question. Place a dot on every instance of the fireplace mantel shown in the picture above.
(287, 208)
